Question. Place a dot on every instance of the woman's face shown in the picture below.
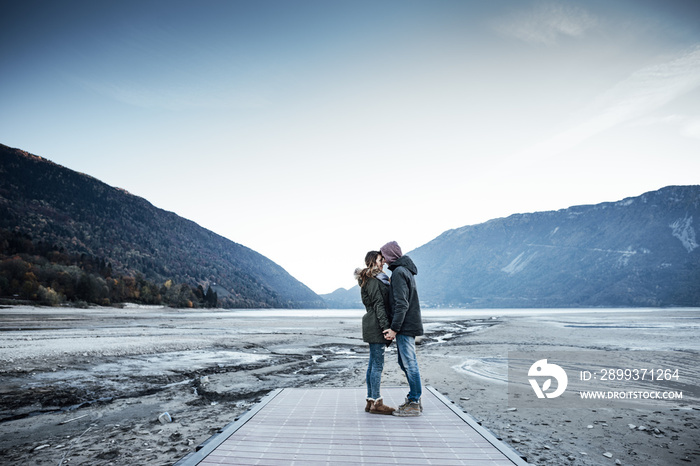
(380, 261)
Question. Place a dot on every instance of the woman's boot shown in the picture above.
(380, 408)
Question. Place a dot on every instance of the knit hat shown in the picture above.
(391, 252)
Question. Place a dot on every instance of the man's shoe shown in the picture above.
(380, 408)
(420, 403)
(409, 409)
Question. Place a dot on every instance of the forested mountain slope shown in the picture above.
(86, 221)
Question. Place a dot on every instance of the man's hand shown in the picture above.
(389, 334)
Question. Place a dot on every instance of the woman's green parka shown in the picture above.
(375, 297)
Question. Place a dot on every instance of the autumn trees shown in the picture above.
(47, 275)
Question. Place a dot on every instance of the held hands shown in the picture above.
(389, 334)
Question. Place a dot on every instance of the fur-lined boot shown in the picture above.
(378, 407)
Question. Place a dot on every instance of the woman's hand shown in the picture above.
(389, 334)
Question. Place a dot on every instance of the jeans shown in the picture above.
(374, 370)
(406, 347)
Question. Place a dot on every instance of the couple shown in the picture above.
(392, 313)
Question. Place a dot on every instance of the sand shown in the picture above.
(87, 387)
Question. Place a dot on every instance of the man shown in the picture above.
(406, 323)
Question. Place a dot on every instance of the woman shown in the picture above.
(374, 285)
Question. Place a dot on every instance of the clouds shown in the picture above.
(651, 87)
(547, 23)
(687, 125)
(643, 92)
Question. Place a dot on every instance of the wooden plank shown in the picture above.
(298, 426)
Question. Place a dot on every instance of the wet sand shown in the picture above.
(88, 386)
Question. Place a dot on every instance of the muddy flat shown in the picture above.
(88, 386)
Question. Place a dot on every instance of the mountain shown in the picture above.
(75, 216)
(641, 251)
(344, 299)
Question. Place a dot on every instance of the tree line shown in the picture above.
(46, 274)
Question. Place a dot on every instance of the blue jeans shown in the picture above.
(374, 370)
(406, 347)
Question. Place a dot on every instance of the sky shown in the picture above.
(315, 131)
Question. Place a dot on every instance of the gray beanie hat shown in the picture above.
(391, 252)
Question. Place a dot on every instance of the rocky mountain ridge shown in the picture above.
(640, 251)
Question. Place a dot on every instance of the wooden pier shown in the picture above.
(328, 426)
